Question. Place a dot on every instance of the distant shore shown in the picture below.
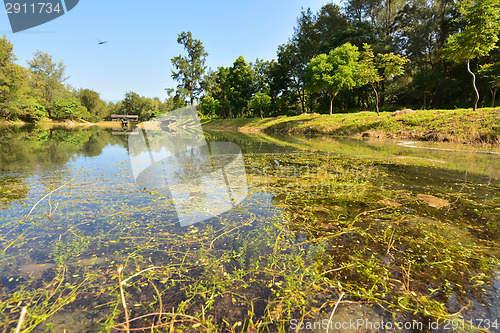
(463, 126)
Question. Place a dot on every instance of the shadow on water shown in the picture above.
(409, 235)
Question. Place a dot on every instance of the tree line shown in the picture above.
(39, 92)
(363, 55)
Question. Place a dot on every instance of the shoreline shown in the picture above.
(461, 126)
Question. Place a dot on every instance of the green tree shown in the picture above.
(132, 104)
(150, 107)
(240, 86)
(491, 72)
(339, 70)
(12, 82)
(376, 70)
(260, 72)
(114, 108)
(189, 70)
(369, 71)
(478, 37)
(48, 77)
(210, 107)
(288, 75)
(172, 102)
(32, 110)
(67, 109)
(216, 85)
(259, 101)
(93, 103)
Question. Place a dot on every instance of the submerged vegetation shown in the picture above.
(400, 239)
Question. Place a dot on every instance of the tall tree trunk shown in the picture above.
(376, 97)
(494, 93)
(382, 93)
(331, 102)
(302, 100)
(473, 84)
(261, 117)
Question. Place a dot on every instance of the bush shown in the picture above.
(67, 109)
(33, 112)
(210, 107)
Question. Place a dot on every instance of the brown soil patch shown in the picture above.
(391, 203)
(433, 201)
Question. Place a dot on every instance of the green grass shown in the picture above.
(459, 125)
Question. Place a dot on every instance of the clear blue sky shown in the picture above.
(142, 38)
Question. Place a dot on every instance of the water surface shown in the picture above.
(407, 233)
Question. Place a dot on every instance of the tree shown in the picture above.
(369, 71)
(210, 106)
(12, 82)
(189, 70)
(491, 72)
(172, 102)
(378, 69)
(93, 103)
(336, 71)
(131, 104)
(260, 72)
(240, 86)
(48, 76)
(478, 37)
(260, 100)
(288, 74)
(67, 109)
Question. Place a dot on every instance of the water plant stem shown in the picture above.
(122, 296)
(333, 311)
(24, 311)
(50, 193)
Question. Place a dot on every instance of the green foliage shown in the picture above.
(477, 38)
(47, 77)
(189, 70)
(336, 71)
(481, 20)
(491, 72)
(131, 104)
(379, 68)
(67, 109)
(92, 102)
(240, 82)
(260, 101)
(34, 112)
(210, 107)
(145, 107)
(12, 82)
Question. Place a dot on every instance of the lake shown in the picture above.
(246, 232)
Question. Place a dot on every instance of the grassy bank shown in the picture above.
(459, 125)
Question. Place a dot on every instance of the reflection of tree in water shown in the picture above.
(26, 150)
(30, 148)
(194, 164)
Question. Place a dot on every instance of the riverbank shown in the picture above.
(481, 127)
